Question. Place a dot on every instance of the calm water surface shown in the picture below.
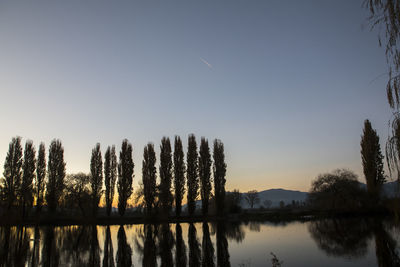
(351, 242)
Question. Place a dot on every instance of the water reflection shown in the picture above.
(338, 237)
(198, 244)
(180, 247)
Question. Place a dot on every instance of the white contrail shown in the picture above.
(205, 62)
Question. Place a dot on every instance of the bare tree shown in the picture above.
(252, 198)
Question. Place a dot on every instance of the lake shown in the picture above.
(344, 242)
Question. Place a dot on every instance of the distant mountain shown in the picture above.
(275, 196)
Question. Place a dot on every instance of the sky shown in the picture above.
(286, 85)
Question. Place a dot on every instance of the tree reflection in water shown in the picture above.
(94, 258)
(207, 248)
(180, 247)
(166, 244)
(346, 238)
(50, 252)
(149, 247)
(222, 245)
(386, 252)
(108, 257)
(124, 252)
(194, 247)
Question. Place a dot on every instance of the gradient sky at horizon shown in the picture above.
(285, 85)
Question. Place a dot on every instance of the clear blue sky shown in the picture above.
(286, 85)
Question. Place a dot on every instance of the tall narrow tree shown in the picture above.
(96, 177)
(179, 174)
(205, 174)
(12, 171)
(28, 169)
(40, 177)
(110, 175)
(125, 176)
(219, 170)
(149, 176)
(165, 176)
(192, 174)
(56, 174)
(372, 159)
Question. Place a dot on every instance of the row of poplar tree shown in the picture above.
(26, 179)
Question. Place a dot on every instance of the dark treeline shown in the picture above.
(28, 186)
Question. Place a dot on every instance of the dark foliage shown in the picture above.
(124, 252)
(205, 174)
(12, 172)
(180, 247)
(194, 247)
(108, 258)
(149, 247)
(219, 170)
(96, 178)
(77, 192)
(125, 176)
(179, 174)
(28, 174)
(110, 176)
(207, 248)
(40, 177)
(166, 198)
(192, 174)
(222, 246)
(56, 174)
(149, 176)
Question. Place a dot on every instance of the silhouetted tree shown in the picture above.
(77, 192)
(125, 176)
(110, 176)
(179, 174)
(28, 174)
(56, 174)
(40, 177)
(194, 247)
(12, 172)
(207, 248)
(124, 252)
(149, 177)
(267, 203)
(372, 160)
(96, 178)
(252, 198)
(192, 174)
(180, 247)
(338, 190)
(222, 246)
(108, 258)
(219, 175)
(165, 176)
(205, 174)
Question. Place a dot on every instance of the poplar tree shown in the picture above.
(219, 170)
(96, 178)
(165, 176)
(125, 176)
(149, 176)
(40, 176)
(56, 174)
(110, 176)
(28, 174)
(12, 172)
(192, 174)
(372, 159)
(205, 174)
(179, 174)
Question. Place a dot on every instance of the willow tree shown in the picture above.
(205, 174)
(28, 174)
(56, 174)
(96, 177)
(179, 174)
(40, 176)
(149, 176)
(125, 176)
(166, 198)
(12, 172)
(110, 176)
(372, 159)
(192, 174)
(219, 170)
